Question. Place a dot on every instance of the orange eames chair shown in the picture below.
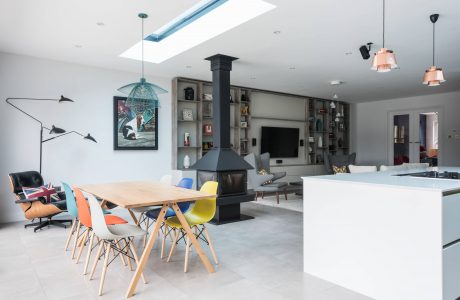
(84, 218)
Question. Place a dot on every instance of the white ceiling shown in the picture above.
(315, 35)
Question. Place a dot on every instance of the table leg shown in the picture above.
(146, 253)
(192, 237)
(134, 217)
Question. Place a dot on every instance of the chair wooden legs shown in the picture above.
(163, 241)
(285, 194)
(72, 229)
(176, 236)
(88, 255)
(82, 244)
(210, 245)
(187, 251)
(93, 269)
(277, 198)
(262, 195)
(76, 239)
(121, 256)
(104, 268)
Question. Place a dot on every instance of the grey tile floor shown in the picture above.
(259, 259)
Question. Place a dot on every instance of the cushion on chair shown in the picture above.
(45, 191)
(339, 170)
(338, 161)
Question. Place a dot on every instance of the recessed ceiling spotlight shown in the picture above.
(277, 32)
(188, 67)
(291, 68)
(336, 82)
(348, 53)
(78, 46)
(253, 77)
(100, 23)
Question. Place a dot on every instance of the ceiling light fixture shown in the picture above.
(100, 23)
(384, 59)
(276, 32)
(291, 68)
(207, 19)
(336, 82)
(142, 95)
(433, 76)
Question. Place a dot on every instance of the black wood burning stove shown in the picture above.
(221, 163)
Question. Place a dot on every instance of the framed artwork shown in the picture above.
(134, 131)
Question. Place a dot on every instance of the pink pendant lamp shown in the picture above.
(433, 76)
(384, 59)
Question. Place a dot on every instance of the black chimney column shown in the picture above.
(221, 65)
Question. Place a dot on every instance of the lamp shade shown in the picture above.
(56, 130)
(142, 95)
(89, 137)
(433, 76)
(384, 61)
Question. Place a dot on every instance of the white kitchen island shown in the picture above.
(385, 236)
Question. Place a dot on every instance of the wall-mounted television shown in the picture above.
(280, 142)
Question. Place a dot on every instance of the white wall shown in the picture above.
(70, 158)
(370, 126)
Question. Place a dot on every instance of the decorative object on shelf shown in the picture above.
(207, 110)
(187, 139)
(244, 98)
(54, 129)
(187, 114)
(189, 93)
(332, 104)
(244, 110)
(186, 161)
(384, 59)
(322, 110)
(340, 143)
(231, 99)
(434, 75)
(309, 159)
(311, 139)
(331, 135)
(244, 124)
(319, 125)
(320, 141)
(134, 130)
(311, 119)
(207, 129)
(310, 149)
(207, 145)
(142, 95)
(207, 97)
(341, 127)
(338, 170)
(337, 117)
(319, 159)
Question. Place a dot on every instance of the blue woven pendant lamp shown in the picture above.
(142, 95)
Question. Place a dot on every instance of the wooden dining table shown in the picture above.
(148, 193)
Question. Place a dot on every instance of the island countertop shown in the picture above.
(391, 178)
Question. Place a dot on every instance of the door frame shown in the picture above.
(412, 113)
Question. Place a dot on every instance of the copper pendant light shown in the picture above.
(433, 76)
(384, 59)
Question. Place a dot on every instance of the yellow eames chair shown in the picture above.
(202, 212)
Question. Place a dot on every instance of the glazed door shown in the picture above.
(414, 137)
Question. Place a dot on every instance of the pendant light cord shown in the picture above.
(142, 37)
(383, 24)
(433, 41)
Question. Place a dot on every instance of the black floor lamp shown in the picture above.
(53, 129)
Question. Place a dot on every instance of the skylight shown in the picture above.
(202, 22)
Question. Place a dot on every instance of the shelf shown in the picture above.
(244, 140)
(190, 121)
(277, 119)
(210, 101)
(188, 101)
(188, 147)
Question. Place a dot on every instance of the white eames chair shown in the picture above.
(110, 236)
